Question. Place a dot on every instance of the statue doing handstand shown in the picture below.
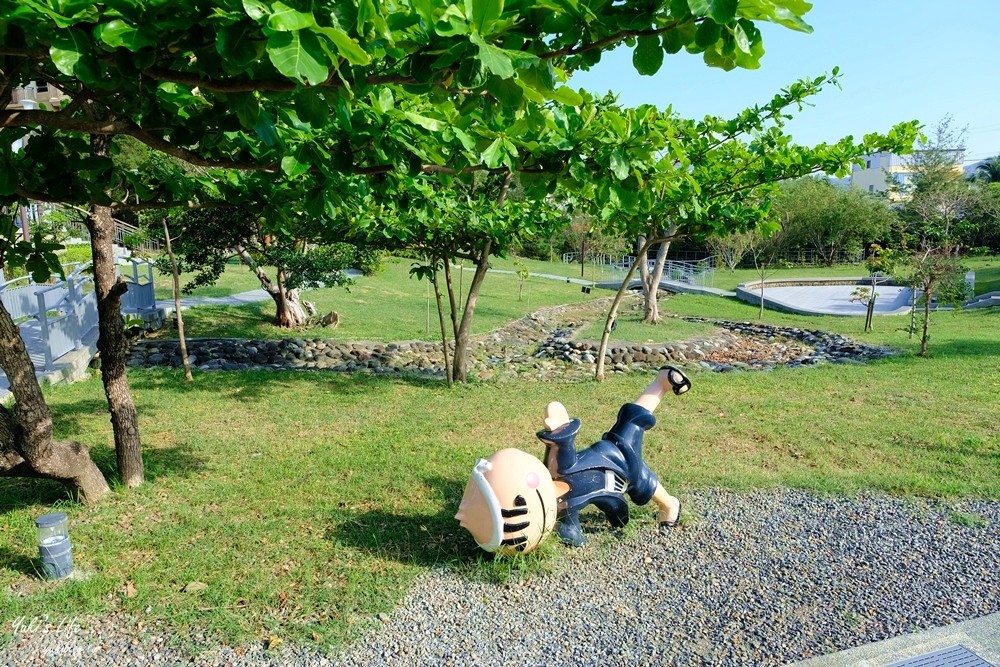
(512, 499)
(611, 468)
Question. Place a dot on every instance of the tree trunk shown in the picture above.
(289, 310)
(927, 319)
(613, 312)
(450, 286)
(460, 361)
(26, 445)
(112, 341)
(870, 313)
(177, 304)
(652, 287)
(444, 328)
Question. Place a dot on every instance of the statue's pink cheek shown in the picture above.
(531, 479)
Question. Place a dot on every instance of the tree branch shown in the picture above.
(610, 39)
(264, 85)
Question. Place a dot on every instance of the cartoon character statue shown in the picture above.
(509, 503)
(611, 468)
(512, 500)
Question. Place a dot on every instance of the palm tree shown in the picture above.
(988, 171)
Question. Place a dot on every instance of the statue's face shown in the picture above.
(509, 503)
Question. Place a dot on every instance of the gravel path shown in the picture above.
(757, 578)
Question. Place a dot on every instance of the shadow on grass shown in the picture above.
(158, 463)
(411, 539)
(234, 383)
(964, 348)
(18, 562)
(19, 492)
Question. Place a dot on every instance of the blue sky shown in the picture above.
(899, 60)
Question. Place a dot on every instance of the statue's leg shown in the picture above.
(668, 379)
(672, 379)
(669, 514)
(569, 529)
(559, 437)
(615, 508)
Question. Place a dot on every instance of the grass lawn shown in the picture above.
(307, 502)
(389, 306)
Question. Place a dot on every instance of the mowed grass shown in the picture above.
(389, 306)
(307, 502)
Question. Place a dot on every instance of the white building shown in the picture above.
(880, 167)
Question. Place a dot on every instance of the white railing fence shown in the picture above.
(56, 317)
(139, 296)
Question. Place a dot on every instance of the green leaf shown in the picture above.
(39, 269)
(117, 34)
(494, 154)
(239, 45)
(298, 55)
(286, 19)
(8, 181)
(292, 167)
(619, 164)
(566, 95)
(676, 39)
(708, 33)
(247, 108)
(431, 124)
(386, 102)
(70, 52)
(741, 39)
(720, 11)
(648, 55)
(256, 9)
(483, 14)
(468, 143)
(452, 23)
(348, 47)
(494, 59)
(265, 129)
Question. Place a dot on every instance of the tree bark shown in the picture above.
(26, 445)
(112, 341)
(444, 328)
(927, 320)
(177, 304)
(460, 361)
(613, 312)
(450, 286)
(652, 281)
(289, 310)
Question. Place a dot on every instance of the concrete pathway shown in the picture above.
(981, 636)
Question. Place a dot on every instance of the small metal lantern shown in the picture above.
(54, 546)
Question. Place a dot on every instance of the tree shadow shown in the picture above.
(963, 347)
(16, 561)
(412, 539)
(234, 383)
(19, 492)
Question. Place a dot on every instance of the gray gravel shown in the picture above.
(758, 578)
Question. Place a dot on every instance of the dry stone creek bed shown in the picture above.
(543, 345)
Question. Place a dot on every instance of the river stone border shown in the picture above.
(788, 346)
(738, 346)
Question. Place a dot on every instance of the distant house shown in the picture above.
(879, 168)
(34, 95)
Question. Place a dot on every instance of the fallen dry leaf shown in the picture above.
(195, 587)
